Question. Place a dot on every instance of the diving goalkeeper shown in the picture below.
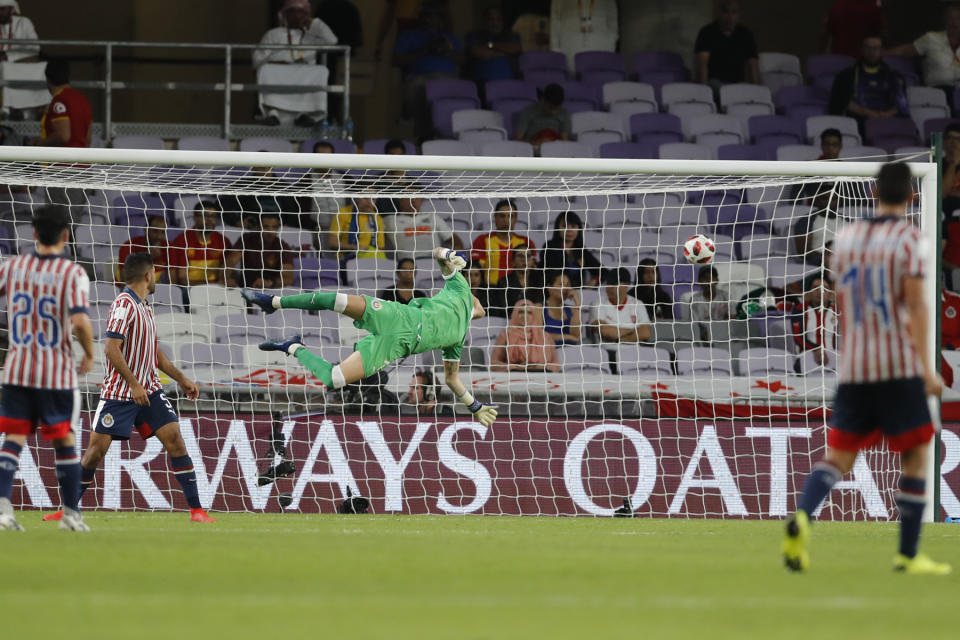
(397, 330)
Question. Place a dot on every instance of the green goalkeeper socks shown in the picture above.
(310, 301)
(319, 367)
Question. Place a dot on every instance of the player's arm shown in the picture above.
(485, 413)
(171, 370)
(83, 330)
(917, 310)
(448, 260)
(59, 133)
(115, 357)
(478, 310)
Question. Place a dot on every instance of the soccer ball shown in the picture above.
(698, 249)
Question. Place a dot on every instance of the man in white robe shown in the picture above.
(583, 25)
(293, 66)
(19, 61)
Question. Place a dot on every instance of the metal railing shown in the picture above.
(108, 85)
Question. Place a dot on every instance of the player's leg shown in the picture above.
(911, 501)
(96, 450)
(58, 415)
(9, 462)
(161, 420)
(349, 305)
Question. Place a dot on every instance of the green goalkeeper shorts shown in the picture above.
(394, 330)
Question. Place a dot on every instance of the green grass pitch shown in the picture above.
(286, 577)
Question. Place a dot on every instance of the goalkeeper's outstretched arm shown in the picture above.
(485, 413)
(448, 260)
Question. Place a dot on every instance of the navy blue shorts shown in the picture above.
(893, 410)
(53, 411)
(118, 418)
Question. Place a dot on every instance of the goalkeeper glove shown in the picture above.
(454, 259)
(485, 413)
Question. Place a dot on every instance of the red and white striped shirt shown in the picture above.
(131, 319)
(871, 258)
(42, 293)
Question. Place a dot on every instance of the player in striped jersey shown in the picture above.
(885, 372)
(132, 396)
(46, 302)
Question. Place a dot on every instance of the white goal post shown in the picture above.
(680, 438)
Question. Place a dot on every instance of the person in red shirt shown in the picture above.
(200, 255)
(950, 320)
(67, 120)
(492, 251)
(266, 262)
(153, 241)
(847, 23)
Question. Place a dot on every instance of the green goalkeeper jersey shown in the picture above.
(445, 318)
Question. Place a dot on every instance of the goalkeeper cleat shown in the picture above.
(794, 548)
(73, 521)
(199, 515)
(280, 345)
(282, 470)
(53, 517)
(262, 300)
(920, 565)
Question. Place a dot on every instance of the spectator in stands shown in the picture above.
(294, 66)
(67, 120)
(812, 232)
(16, 27)
(422, 396)
(565, 252)
(201, 254)
(492, 251)
(492, 50)
(244, 211)
(831, 144)
(847, 23)
(404, 290)
(524, 282)
(393, 180)
(155, 242)
(950, 320)
(709, 302)
(951, 206)
(620, 317)
(531, 21)
(576, 25)
(726, 50)
(545, 120)
(939, 51)
(524, 345)
(265, 261)
(327, 207)
(651, 293)
(18, 103)
(415, 234)
(425, 52)
(815, 323)
(477, 277)
(9, 137)
(870, 88)
(358, 232)
(561, 309)
(402, 14)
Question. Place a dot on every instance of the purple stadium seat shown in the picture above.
(792, 97)
(581, 92)
(500, 89)
(202, 353)
(685, 151)
(764, 362)
(266, 143)
(583, 357)
(451, 88)
(847, 126)
(626, 150)
(651, 142)
(473, 119)
(377, 146)
(647, 61)
(540, 78)
(936, 125)
(634, 359)
(339, 146)
(565, 149)
(448, 148)
(443, 109)
(306, 270)
(780, 70)
(677, 273)
(590, 64)
(138, 142)
(738, 220)
(686, 92)
(657, 79)
(507, 149)
(906, 67)
(827, 64)
(715, 130)
(617, 92)
(783, 129)
(643, 124)
(706, 359)
(583, 122)
(900, 128)
(132, 209)
(537, 60)
(711, 197)
(742, 152)
(508, 108)
(203, 143)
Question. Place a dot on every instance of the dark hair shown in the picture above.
(324, 143)
(412, 262)
(553, 274)
(156, 216)
(553, 94)
(567, 218)
(429, 383)
(50, 222)
(831, 133)
(894, 183)
(707, 269)
(618, 276)
(268, 214)
(203, 205)
(57, 72)
(394, 143)
(873, 35)
(953, 127)
(648, 262)
(136, 266)
(506, 202)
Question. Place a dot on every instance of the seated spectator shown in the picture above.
(325, 182)
(847, 23)
(545, 120)
(265, 261)
(531, 21)
(560, 319)
(831, 144)
(813, 232)
(938, 48)
(404, 15)
(815, 322)
(524, 282)
(200, 255)
(67, 120)
(827, 274)
(477, 277)
(870, 88)
(155, 242)
(576, 25)
(651, 293)
(422, 396)
(524, 345)
(493, 251)
(726, 50)
(358, 232)
(492, 50)
(415, 234)
(565, 252)
(14, 26)
(245, 210)
(950, 320)
(620, 317)
(15, 59)
(405, 288)
(709, 302)
(294, 67)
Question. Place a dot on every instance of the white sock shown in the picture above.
(340, 304)
(338, 379)
(292, 349)
(275, 301)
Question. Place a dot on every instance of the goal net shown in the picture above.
(624, 374)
